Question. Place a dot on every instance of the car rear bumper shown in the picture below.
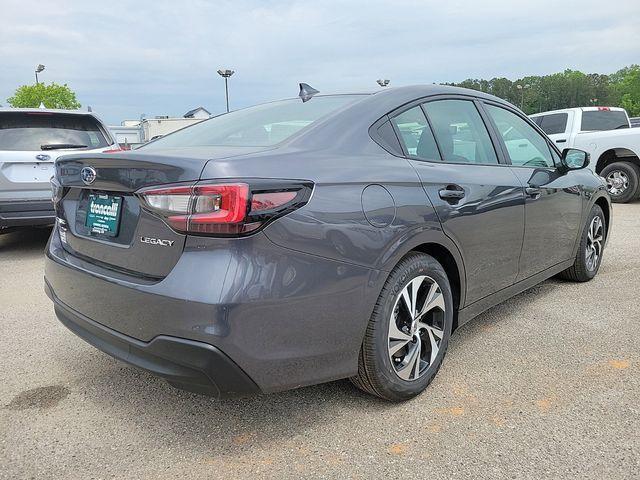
(26, 213)
(186, 364)
(285, 319)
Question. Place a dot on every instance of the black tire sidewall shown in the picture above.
(632, 172)
(582, 261)
(388, 379)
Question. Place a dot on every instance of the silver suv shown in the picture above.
(30, 141)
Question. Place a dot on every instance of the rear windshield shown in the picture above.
(36, 130)
(594, 120)
(262, 125)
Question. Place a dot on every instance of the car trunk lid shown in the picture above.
(102, 219)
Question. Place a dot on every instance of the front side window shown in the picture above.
(460, 131)
(261, 125)
(525, 145)
(416, 134)
(554, 123)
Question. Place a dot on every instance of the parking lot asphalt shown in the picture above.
(546, 385)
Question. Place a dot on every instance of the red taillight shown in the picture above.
(269, 200)
(604, 109)
(224, 208)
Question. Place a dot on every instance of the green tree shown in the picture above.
(626, 89)
(52, 95)
(570, 88)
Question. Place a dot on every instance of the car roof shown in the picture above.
(44, 110)
(575, 109)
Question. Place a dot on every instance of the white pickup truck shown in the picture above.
(605, 133)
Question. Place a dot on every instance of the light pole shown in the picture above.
(522, 89)
(39, 69)
(383, 83)
(226, 74)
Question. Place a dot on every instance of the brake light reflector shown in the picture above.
(224, 208)
(269, 200)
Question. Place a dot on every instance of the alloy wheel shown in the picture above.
(416, 328)
(595, 237)
(617, 182)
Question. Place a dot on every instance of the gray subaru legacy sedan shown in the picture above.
(318, 238)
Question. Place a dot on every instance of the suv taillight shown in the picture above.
(229, 208)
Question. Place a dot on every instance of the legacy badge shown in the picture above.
(157, 241)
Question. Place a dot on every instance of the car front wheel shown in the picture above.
(590, 250)
(408, 333)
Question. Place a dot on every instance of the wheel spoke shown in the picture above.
(435, 299)
(395, 334)
(415, 286)
(434, 346)
(411, 369)
(406, 297)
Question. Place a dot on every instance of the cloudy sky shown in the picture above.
(126, 58)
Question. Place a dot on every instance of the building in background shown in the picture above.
(133, 133)
(199, 112)
(128, 135)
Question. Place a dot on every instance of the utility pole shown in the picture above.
(39, 69)
(226, 74)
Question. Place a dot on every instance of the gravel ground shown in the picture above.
(546, 385)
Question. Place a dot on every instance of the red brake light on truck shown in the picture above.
(224, 208)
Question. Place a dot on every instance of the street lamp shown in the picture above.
(39, 69)
(226, 74)
(383, 83)
(522, 89)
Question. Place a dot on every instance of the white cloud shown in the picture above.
(125, 58)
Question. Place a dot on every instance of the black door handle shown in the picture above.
(561, 140)
(452, 192)
(533, 192)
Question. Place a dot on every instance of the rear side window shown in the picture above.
(416, 134)
(33, 130)
(525, 145)
(596, 120)
(554, 123)
(460, 131)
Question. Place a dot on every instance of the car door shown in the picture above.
(553, 205)
(479, 202)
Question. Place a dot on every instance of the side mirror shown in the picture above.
(574, 159)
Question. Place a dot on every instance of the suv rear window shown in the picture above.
(32, 130)
(261, 125)
(554, 123)
(596, 120)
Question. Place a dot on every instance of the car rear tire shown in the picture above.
(623, 181)
(589, 256)
(398, 360)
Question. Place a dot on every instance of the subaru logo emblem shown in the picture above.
(88, 175)
(43, 158)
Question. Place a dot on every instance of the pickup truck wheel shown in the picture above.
(623, 181)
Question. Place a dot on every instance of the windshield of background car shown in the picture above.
(32, 130)
(262, 125)
(596, 120)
